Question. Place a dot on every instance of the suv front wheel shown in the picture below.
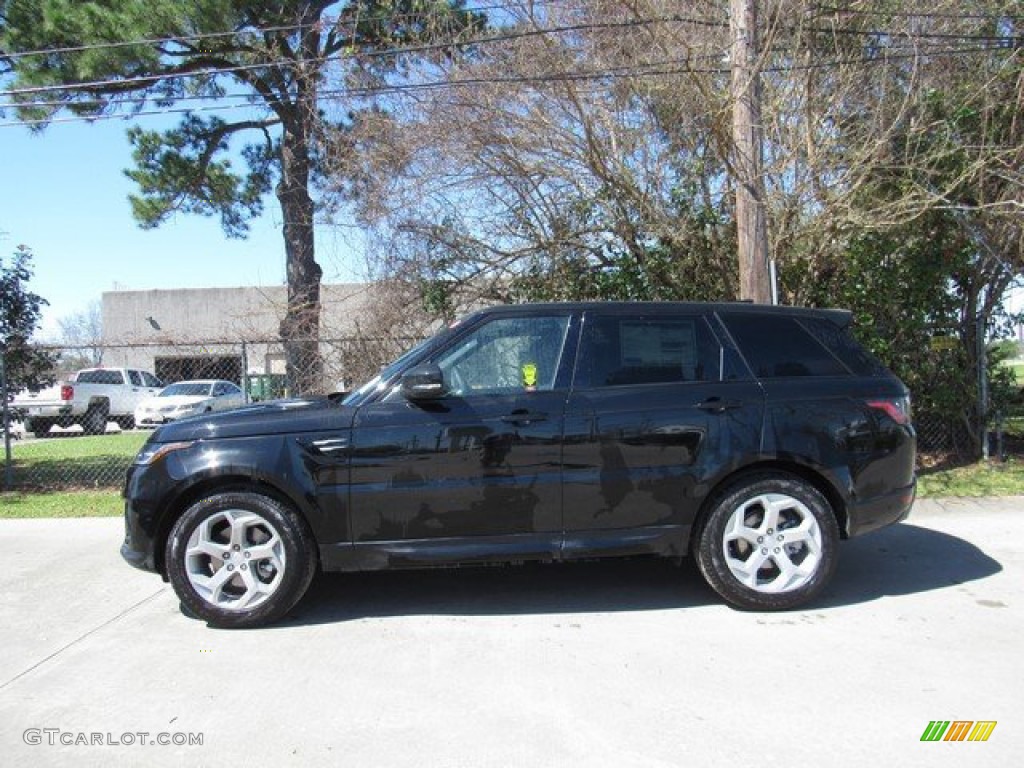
(239, 559)
(768, 543)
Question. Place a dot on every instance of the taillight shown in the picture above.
(896, 408)
(67, 392)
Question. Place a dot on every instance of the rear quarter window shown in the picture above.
(841, 343)
(100, 377)
(777, 346)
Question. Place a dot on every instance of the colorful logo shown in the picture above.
(958, 730)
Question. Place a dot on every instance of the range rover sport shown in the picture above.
(752, 438)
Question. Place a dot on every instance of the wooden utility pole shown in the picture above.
(748, 161)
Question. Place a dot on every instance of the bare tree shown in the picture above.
(82, 334)
(582, 150)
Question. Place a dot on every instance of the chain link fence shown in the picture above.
(91, 446)
(83, 431)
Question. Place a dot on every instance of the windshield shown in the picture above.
(388, 371)
(187, 388)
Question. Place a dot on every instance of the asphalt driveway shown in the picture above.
(620, 664)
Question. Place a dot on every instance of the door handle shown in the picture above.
(719, 405)
(523, 418)
(330, 445)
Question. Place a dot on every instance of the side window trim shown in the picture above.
(726, 340)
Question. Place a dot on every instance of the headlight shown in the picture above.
(151, 454)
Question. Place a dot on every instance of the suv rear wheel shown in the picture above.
(239, 559)
(768, 543)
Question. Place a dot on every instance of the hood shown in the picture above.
(275, 417)
(155, 403)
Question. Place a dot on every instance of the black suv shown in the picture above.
(752, 437)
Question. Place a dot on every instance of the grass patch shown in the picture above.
(981, 479)
(75, 461)
(61, 504)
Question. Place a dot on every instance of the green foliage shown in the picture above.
(897, 284)
(1007, 349)
(697, 263)
(25, 364)
(278, 53)
(176, 172)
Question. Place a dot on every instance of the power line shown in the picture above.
(890, 52)
(917, 35)
(665, 68)
(414, 49)
(922, 14)
(395, 89)
(254, 30)
(152, 41)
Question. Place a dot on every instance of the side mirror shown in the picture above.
(423, 382)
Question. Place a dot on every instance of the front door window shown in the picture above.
(506, 356)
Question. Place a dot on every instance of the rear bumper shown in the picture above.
(43, 410)
(877, 512)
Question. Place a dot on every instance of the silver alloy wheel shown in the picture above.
(235, 559)
(772, 543)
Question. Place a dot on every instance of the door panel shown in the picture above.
(649, 428)
(486, 465)
(482, 461)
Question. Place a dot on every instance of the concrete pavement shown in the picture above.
(619, 663)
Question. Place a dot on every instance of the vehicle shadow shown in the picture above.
(533, 588)
(904, 560)
(901, 560)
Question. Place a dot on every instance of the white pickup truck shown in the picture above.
(91, 398)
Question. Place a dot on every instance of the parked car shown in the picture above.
(753, 438)
(188, 398)
(90, 398)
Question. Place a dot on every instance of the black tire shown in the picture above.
(38, 427)
(125, 422)
(791, 568)
(258, 590)
(95, 420)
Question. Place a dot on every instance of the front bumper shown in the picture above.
(140, 525)
(137, 548)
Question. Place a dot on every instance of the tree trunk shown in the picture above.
(300, 328)
(751, 225)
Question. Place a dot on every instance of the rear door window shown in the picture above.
(630, 350)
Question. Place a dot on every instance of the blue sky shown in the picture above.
(64, 194)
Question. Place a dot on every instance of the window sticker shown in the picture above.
(658, 346)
